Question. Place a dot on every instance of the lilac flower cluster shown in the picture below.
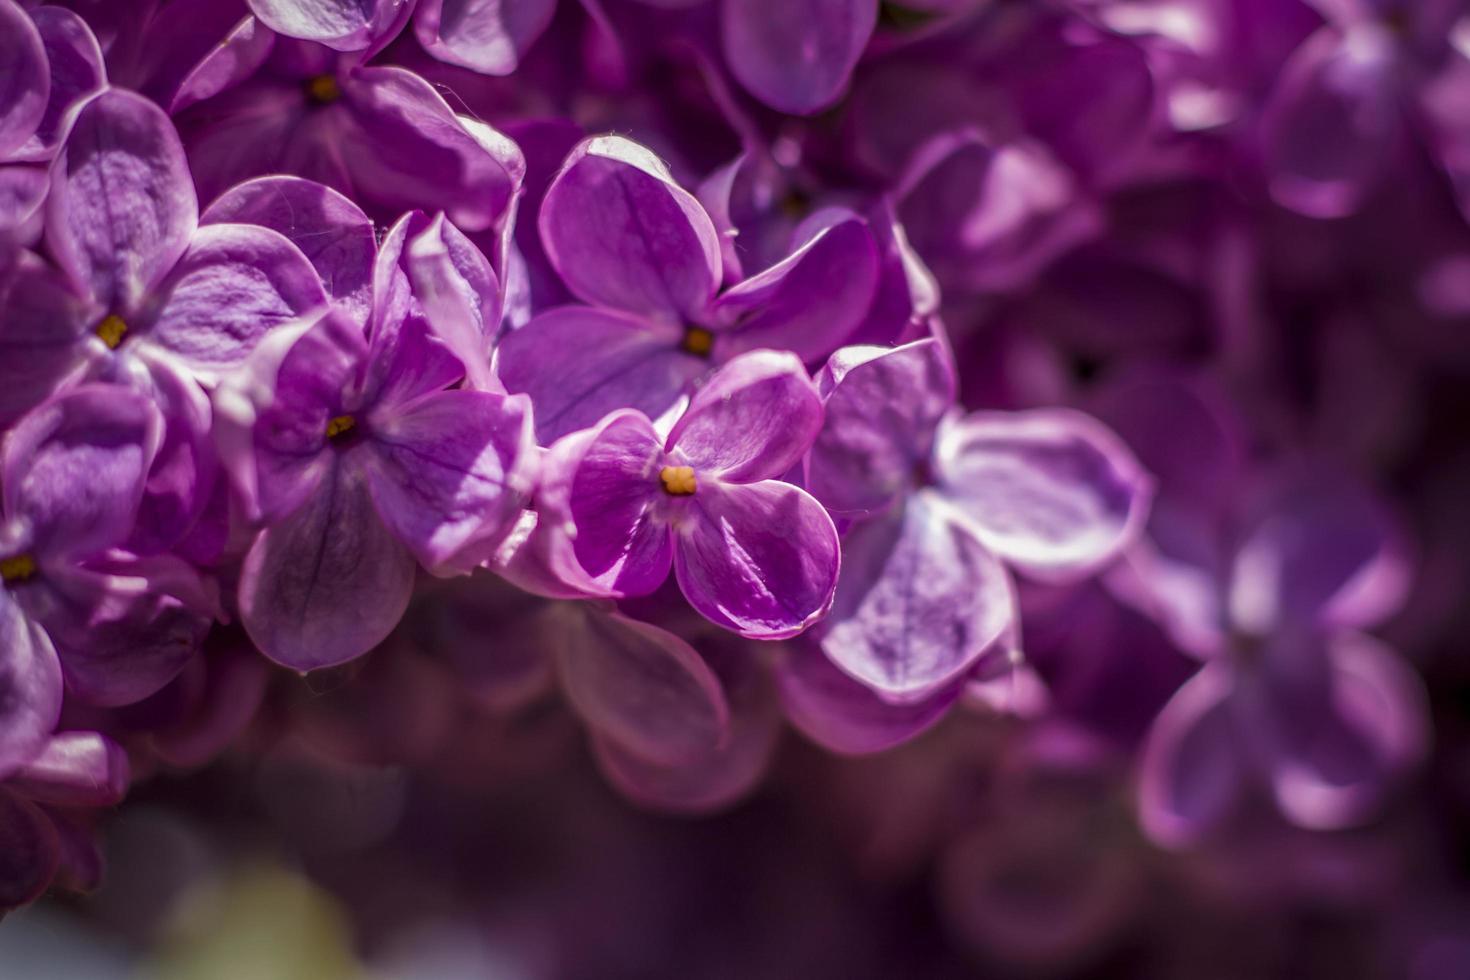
(712, 365)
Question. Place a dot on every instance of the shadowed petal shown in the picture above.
(921, 599)
(753, 420)
(578, 364)
(122, 205)
(43, 334)
(450, 473)
(74, 468)
(1192, 770)
(882, 410)
(460, 294)
(25, 77)
(622, 234)
(758, 559)
(846, 717)
(30, 687)
(76, 769)
(1052, 492)
(29, 851)
(795, 55)
(328, 583)
(76, 71)
(640, 687)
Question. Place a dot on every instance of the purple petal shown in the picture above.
(22, 192)
(846, 717)
(76, 769)
(883, 408)
(29, 851)
(1321, 547)
(1192, 770)
(119, 638)
(74, 468)
(76, 71)
(181, 480)
(603, 484)
(235, 284)
(346, 25)
(233, 60)
(331, 231)
(811, 302)
(920, 601)
(1331, 123)
(409, 150)
(487, 36)
(622, 234)
(30, 687)
(328, 583)
(1051, 491)
(25, 77)
(122, 205)
(578, 364)
(44, 338)
(641, 687)
(460, 294)
(753, 420)
(450, 473)
(758, 559)
(1341, 745)
(795, 55)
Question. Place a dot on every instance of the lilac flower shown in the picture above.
(645, 257)
(942, 505)
(1268, 585)
(259, 104)
(74, 607)
(751, 553)
(49, 60)
(363, 466)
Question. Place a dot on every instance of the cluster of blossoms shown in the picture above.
(715, 366)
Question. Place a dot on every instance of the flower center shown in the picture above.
(697, 341)
(17, 568)
(678, 481)
(323, 89)
(111, 330)
(339, 428)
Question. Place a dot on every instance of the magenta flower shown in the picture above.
(644, 256)
(362, 467)
(942, 506)
(751, 553)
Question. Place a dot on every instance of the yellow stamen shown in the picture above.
(697, 341)
(17, 568)
(111, 330)
(678, 481)
(324, 89)
(340, 426)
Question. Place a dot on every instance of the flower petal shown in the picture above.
(29, 851)
(450, 473)
(122, 206)
(752, 420)
(1052, 492)
(43, 334)
(331, 231)
(460, 295)
(236, 57)
(76, 769)
(74, 468)
(622, 234)
(235, 283)
(76, 71)
(487, 36)
(1192, 771)
(346, 25)
(579, 363)
(920, 601)
(846, 717)
(603, 485)
(25, 77)
(30, 687)
(640, 687)
(328, 583)
(409, 150)
(795, 55)
(882, 411)
(759, 559)
(811, 302)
